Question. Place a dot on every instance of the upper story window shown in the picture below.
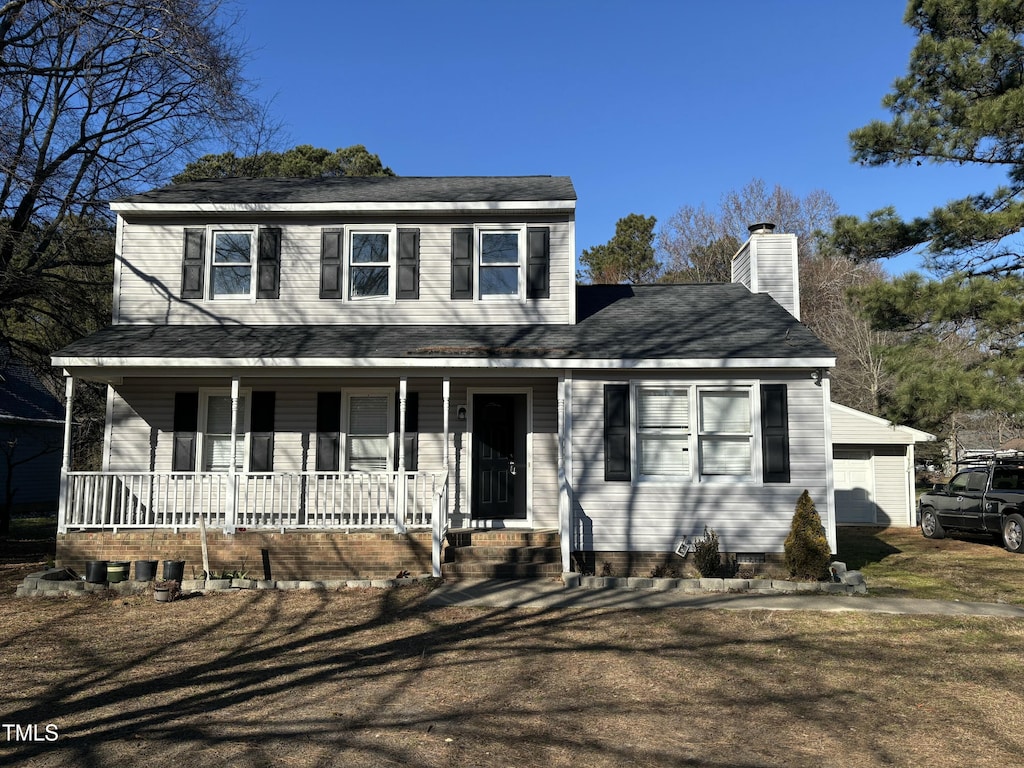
(226, 262)
(231, 264)
(370, 264)
(500, 264)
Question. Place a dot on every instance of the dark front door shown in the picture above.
(499, 457)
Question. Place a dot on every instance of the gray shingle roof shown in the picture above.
(385, 189)
(23, 396)
(703, 322)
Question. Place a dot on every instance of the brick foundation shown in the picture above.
(642, 564)
(292, 555)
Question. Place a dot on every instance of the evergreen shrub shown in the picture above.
(807, 551)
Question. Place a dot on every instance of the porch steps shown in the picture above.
(504, 554)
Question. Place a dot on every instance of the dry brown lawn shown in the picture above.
(375, 678)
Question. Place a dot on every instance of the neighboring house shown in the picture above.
(31, 435)
(874, 469)
(360, 376)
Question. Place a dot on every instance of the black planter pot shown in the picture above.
(96, 571)
(174, 570)
(145, 570)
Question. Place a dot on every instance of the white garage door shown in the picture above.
(855, 487)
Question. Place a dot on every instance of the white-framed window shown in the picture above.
(232, 258)
(370, 264)
(369, 422)
(692, 433)
(500, 264)
(215, 431)
(726, 432)
(663, 432)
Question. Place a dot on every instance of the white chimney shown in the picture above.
(767, 263)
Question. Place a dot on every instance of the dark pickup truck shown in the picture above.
(982, 499)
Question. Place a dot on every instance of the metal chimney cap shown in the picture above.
(761, 228)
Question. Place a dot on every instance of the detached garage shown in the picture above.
(873, 468)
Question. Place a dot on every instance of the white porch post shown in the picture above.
(400, 507)
(446, 396)
(565, 468)
(65, 461)
(440, 515)
(232, 511)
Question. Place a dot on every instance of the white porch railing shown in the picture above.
(346, 500)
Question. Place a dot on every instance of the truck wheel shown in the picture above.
(931, 528)
(1013, 533)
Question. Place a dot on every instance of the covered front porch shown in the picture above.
(443, 473)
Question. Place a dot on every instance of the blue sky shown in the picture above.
(648, 105)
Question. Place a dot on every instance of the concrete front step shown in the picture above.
(477, 554)
(504, 537)
(478, 570)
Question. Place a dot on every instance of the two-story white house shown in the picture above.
(360, 376)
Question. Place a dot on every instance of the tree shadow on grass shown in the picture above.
(374, 677)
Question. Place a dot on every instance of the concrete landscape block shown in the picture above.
(357, 583)
(266, 584)
(639, 582)
(664, 583)
(853, 578)
(193, 585)
(712, 585)
(216, 584)
(30, 583)
(243, 583)
(288, 584)
(570, 579)
(783, 586)
(736, 584)
(334, 584)
(311, 585)
(689, 585)
(382, 583)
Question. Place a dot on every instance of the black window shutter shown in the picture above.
(331, 249)
(186, 424)
(193, 263)
(538, 263)
(775, 433)
(268, 264)
(408, 264)
(328, 434)
(616, 432)
(412, 428)
(462, 263)
(261, 437)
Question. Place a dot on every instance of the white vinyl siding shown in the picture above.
(149, 283)
(747, 516)
(143, 409)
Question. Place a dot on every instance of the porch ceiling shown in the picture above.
(687, 326)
